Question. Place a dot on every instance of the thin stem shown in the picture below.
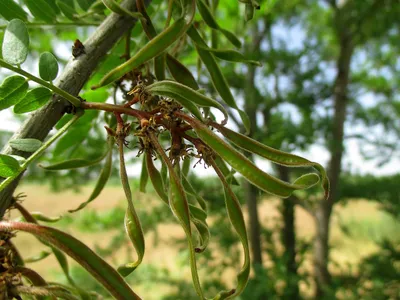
(116, 109)
(39, 24)
(39, 152)
(72, 99)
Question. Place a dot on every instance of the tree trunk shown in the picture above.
(324, 210)
(288, 238)
(73, 78)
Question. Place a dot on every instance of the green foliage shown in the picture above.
(156, 116)
(33, 100)
(9, 166)
(27, 145)
(12, 91)
(15, 43)
(48, 66)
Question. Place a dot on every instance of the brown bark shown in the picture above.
(324, 210)
(75, 75)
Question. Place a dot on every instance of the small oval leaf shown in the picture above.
(27, 145)
(12, 91)
(48, 66)
(33, 100)
(9, 166)
(15, 42)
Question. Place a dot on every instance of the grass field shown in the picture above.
(366, 223)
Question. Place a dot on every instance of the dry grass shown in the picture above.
(345, 250)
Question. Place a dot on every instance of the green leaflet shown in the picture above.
(95, 265)
(249, 12)
(103, 178)
(180, 73)
(198, 216)
(60, 256)
(228, 174)
(48, 66)
(204, 234)
(85, 4)
(42, 10)
(156, 178)
(9, 166)
(237, 220)
(45, 292)
(12, 91)
(15, 42)
(217, 77)
(67, 9)
(132, 223)
(118, 9)
(277, 156)
(179, 206)
(134, 231)
(33, 100)
(41, 217)
(159, 67)
(245, 167)
(75, 163)
(10, 10)
(189, 189)
(42, 255)
(185, 96)
(208, 17)
(144, 176)
(231, 55)
(27, 145)
(186, 166)
(152, 49)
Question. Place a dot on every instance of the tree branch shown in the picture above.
(76, 73)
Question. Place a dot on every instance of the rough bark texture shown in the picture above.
(75, 75)
(288, 237)
(324, 210)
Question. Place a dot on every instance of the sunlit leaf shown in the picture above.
(9, 166)
(245, 167)
(15, 43)
(152, 49)
(33, 100)
(12, 90)
(185, 96)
